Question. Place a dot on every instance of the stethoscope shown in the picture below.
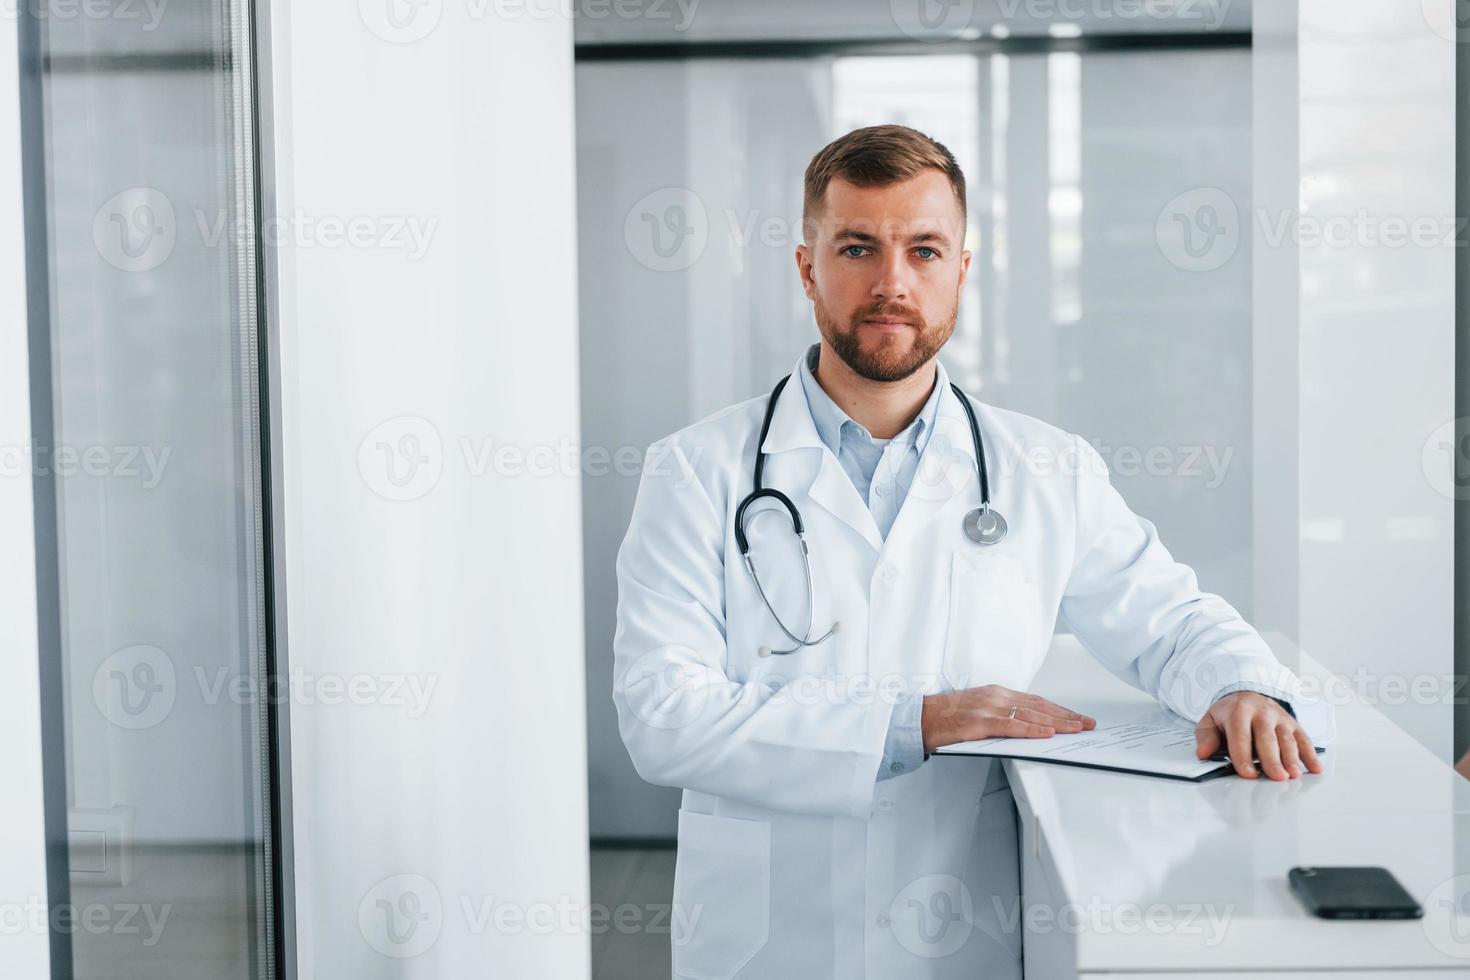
(983, 525)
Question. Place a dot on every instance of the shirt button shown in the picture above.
(885, 804)
(883, 921)
(888, 573)
(881, 489)
(896, 766)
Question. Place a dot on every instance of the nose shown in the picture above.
(892, 282)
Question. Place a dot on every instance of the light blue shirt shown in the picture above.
(881, 470)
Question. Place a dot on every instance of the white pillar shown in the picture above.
(440, 830)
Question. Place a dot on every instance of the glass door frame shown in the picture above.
(27, 325)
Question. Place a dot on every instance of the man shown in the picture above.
(816, 837)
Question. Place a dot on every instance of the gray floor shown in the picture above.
(635, 888)
(183, 912)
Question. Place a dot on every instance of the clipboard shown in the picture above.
(1162, 751)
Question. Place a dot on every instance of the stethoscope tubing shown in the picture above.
(760, 492)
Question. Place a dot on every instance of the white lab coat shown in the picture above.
(794, 861)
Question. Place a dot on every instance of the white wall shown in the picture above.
(23, 952)
(413, 830)
(1356, 327)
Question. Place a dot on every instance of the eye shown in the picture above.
(925, 248)
(845, 248)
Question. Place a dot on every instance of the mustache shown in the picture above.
(890, 313)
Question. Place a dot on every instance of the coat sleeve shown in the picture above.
(815, 749)
(1142, 614)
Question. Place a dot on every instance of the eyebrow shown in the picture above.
(916, 239)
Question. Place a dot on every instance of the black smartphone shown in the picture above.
(1353, 893)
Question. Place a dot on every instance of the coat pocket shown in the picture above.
(722, 895)
(994, 623)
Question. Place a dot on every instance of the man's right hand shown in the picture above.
(982, 712)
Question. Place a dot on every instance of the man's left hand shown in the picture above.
(1252, 725)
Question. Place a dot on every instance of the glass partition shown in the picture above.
(162, 530)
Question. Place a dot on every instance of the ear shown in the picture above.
(807, 271)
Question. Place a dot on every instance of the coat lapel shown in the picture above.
(800, 462)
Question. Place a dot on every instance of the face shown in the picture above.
(884, 271)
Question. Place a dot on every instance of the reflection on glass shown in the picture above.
(153, 279)
(1064, 135)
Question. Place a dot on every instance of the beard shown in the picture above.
(892, 356)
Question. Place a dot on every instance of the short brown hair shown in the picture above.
(876, 156)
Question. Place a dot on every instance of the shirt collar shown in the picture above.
(832, 421)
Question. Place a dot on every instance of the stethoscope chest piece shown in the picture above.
(985, 526)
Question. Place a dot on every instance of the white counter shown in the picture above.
(1125, 874)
